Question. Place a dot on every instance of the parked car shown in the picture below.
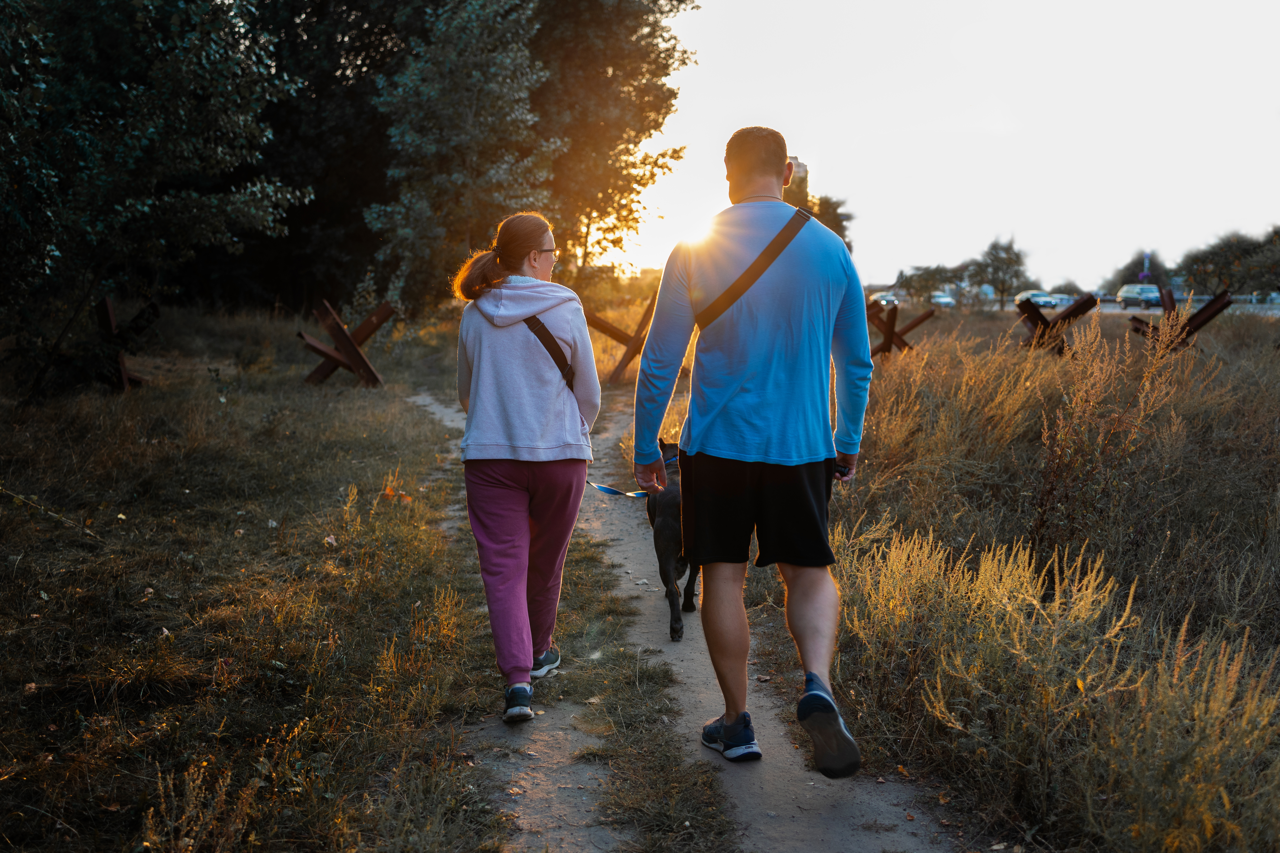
(886, 300)
(1064, 299)
(942, 300)
(1038, 297)
(1139, 296)
(1103, 297)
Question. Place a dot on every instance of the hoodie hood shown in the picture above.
(520, 297)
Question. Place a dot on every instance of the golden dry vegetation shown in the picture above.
(1061, 580)
(231, 616)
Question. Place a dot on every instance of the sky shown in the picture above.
(1085, 131)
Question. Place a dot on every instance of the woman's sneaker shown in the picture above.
(518, 710)
(835, 752)
(736, 742)
(545, 663)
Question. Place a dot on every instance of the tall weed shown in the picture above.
(1054, 687)
(1051, 703)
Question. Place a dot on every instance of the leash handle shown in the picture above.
(609, 489)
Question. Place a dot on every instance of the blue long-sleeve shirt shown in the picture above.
(762, 370)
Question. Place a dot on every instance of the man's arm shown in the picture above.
(851, 355)
(660, 362)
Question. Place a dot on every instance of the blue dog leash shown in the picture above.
(609, 490)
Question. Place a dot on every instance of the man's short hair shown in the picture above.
(756, 151)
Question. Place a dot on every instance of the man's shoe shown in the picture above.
(545, 663)
(736, 742)
(835, 752)
(518, 710)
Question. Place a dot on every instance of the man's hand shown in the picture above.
(849, 461)
(652, 477)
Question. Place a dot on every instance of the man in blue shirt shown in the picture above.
(756, 450)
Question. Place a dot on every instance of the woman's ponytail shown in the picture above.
(480, 272)
(518, 235)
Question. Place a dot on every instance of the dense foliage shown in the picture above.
(403, 103)
(138, 136)
(607, 62)
(472, 158)
(123, 131)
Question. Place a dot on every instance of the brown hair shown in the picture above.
(518, 235)
(756, 150)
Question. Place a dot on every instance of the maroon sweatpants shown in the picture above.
(522, 514)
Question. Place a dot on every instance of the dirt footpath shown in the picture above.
(779, 804)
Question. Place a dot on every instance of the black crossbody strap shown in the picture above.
(725, 300)
(553, 347)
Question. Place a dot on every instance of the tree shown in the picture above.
(466, 152)
(146, 112)
(1002, 267)
(1068, 286)
(1237, 263)
(827, 210)
(923, 281)
(330, 138)
(1143, 268)
(607, 63)
(605, 93)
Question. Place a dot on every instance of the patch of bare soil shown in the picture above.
(779, 803)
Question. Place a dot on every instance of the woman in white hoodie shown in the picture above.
(527, 441)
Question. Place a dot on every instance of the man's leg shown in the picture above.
(813, 616)
(724, 623)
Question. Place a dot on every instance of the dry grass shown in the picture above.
(1122, 697)
(230, 617)
(1060, 581)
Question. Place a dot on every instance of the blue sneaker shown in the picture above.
(545, 663)
(835, 752)
(736, 742)
(518, 710)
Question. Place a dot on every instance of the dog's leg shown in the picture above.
(690, 596)
(668, 569)
(666, 543)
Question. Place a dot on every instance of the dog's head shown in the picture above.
(670, 452)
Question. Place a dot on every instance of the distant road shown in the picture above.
(1116, 308)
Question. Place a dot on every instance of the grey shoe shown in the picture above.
(518, 710)
(736, 742)
(835, 752)
(545, 663)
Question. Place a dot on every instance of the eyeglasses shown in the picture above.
(555, 253)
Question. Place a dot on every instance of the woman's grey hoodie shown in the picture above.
(518, 405)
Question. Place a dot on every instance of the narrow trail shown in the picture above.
(778, 803)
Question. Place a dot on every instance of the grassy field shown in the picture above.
(230, 617)
(1061, 581)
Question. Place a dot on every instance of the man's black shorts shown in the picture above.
(723, 500)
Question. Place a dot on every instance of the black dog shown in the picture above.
(664, 517)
